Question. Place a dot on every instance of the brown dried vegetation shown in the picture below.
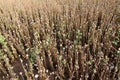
(59, 40)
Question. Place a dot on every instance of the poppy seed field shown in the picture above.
(59, 39)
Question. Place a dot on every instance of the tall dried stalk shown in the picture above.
(60, 40)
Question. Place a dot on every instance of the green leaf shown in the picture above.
(33, 58)
(2, 39)
(118, 53)
(63, 62)
(90, 62)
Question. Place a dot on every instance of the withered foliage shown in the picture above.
(59, 40)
